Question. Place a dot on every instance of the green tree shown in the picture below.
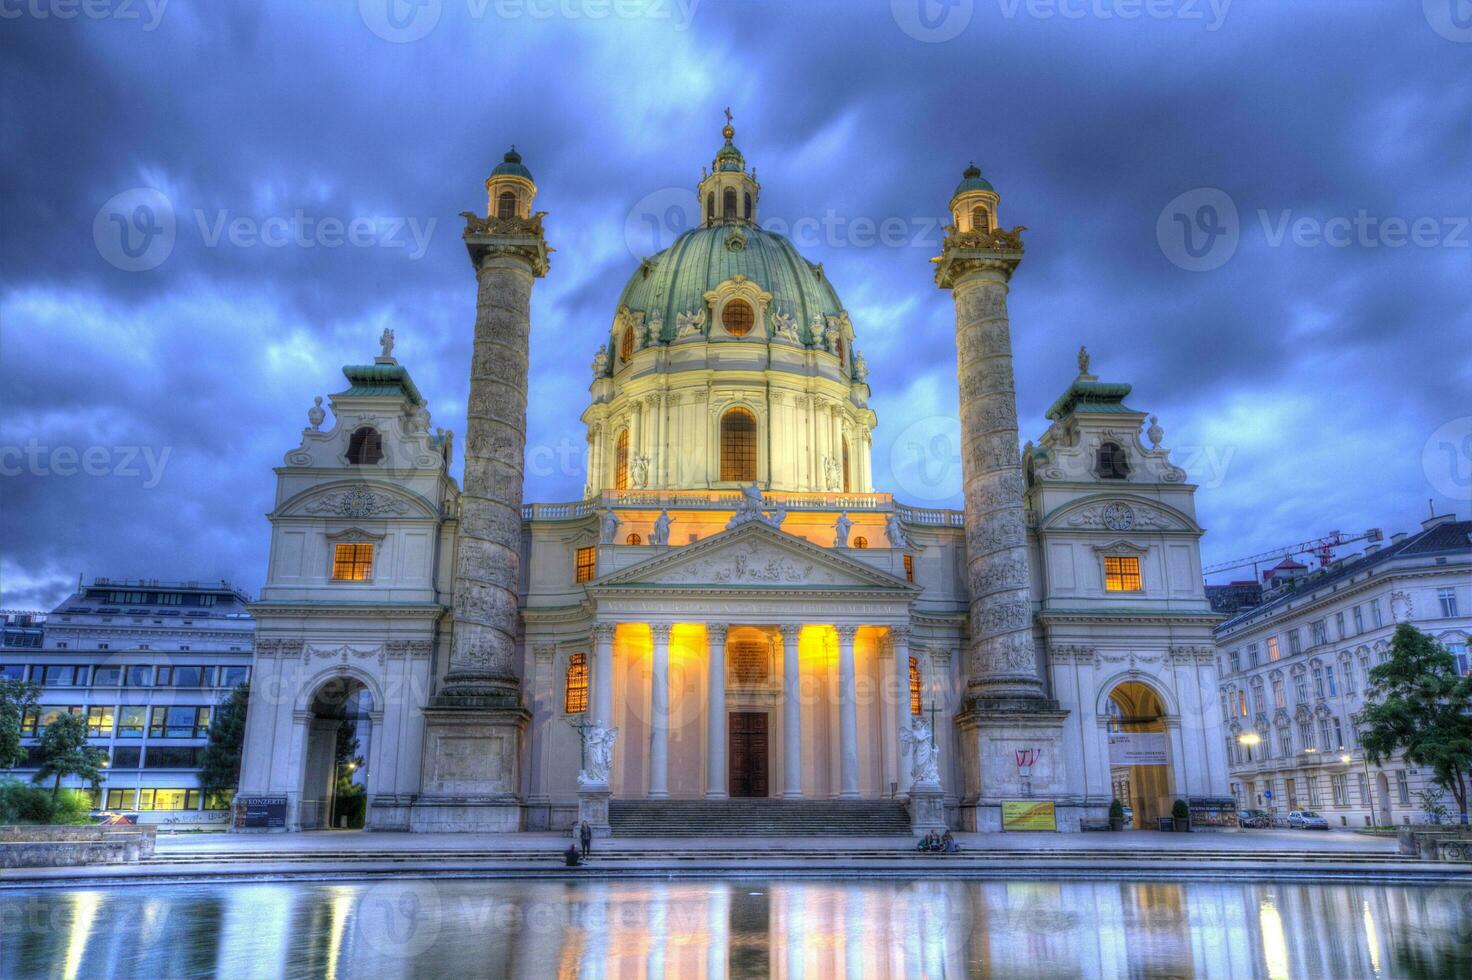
(1419, 704)
(65, 752)
(16, 698)
(220, 763)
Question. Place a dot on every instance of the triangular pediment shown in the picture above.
(754, 556)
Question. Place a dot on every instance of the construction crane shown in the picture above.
(1320, 548)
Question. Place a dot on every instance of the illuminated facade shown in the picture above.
(732, 610)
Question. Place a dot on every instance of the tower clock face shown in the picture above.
(1119, 517)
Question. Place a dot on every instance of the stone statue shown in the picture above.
(316, 414)
(841, 528)
(600, 362)
(920, 740)
(655, 328)
(1155, 433)
(833, 473)
(1083, 361)
(894, 529)
(419, 418)
(597, 755)
(689, 324)
(831, 337)
(778, 515)
(861, 368)
(608, 523)
(660, 536)
(751, 508)
(639, 472)
(386, 340)
(784, 326)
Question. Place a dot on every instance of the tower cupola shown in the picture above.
(728, 193)
(510, 189)
(974, 204)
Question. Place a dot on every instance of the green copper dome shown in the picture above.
(676, 280)
(972, 180)
(511, 166)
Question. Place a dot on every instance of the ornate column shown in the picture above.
(475, 725)
(715, 710)
(603, 674)
(543, 713)
(659, 713)
(899, 642)
(791, 714)
(848, 719)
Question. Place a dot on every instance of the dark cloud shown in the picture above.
(1300, 381)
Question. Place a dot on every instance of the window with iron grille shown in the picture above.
(506, 205)
(909, 568)
(575, 699)
(1121, 574)
(587, 564)
(738, 446)
(737, 317)
(352, 562)
(626, 345)
(914, 686)
(621, 461)
(846, 485)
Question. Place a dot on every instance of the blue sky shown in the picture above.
(1255, 212)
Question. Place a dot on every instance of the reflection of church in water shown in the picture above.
(732, 611)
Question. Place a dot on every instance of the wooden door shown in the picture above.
(746, 755)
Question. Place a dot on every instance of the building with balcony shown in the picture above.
(1295, 669)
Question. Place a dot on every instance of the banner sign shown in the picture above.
(1212, 811)
(1137, 749)
(260, 813)
(1028, 815)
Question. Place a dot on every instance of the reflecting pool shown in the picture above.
(738, 928)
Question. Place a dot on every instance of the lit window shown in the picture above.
(587, 564)
(633, 539)
(365, 447)
(621, 461)
(352, 562)
(576, 698)
(626, 345)
(1273, 652)
(506, 205)
(846, 488)
(914, 686)
(100, 720)
(738, 446)
(738, 318)
(979, 220)
(910, 568)
(1122, 574)
(861, 542)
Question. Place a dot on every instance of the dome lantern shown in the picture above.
(728, 194)
(974, 203)
(510, 189)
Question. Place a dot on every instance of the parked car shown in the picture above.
(1307, 820)
(1254, 818)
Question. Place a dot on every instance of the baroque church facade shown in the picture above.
(732, 610)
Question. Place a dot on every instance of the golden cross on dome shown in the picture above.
(728, 115)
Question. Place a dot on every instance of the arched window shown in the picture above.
(710, 207)
(506, 205)
(747, 209)
(621, 461)
(365, 446)
(633, 539)
(737, 317)
(914, 686)
(738, 446)
(846, 488)
(979, 219)
(626, 345)
(728, 203)
(575, 701)
(1113, 462)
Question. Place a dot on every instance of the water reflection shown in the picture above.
(784, 929)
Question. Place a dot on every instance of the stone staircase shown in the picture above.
(758, 818)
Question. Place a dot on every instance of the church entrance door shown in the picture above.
(747, 745)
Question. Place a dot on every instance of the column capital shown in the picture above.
(516, 238)
(603, 632)
(544, 652)
(846, 634)
(716, 632)
(900, 633)
(790, 632)
(660, 632)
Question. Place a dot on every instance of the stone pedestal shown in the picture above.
(927, 809)
(993, 732)
(471, 770)
(593, 807)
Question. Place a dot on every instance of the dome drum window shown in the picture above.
(738, 446)
(737, 318)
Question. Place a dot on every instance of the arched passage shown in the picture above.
(1139, 752)
(335, 774)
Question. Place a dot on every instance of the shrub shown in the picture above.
(1116, 810)
(1180, 811)
(27, 803)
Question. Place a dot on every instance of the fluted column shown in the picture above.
(976, 268)
(899, 642)
(508, 255)
(715, 709)
(848, 718)
(603, 674)
(659, 713)
(791, 714)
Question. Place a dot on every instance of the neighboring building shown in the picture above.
(1233, 597)
(145, 662)
(732, 595)
(1295, 669)
(20, 631)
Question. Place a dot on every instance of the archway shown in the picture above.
(1139, 752)
(335, 775)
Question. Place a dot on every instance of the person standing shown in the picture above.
(585, 835)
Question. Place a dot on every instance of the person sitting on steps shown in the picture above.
(570, 856)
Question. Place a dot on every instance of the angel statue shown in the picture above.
(920, 740)
(689, 324)
(386, 341)
(597, 755)
(600, 362)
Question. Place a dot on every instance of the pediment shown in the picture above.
(356, 499)
(754, 556)
(1118, 513)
